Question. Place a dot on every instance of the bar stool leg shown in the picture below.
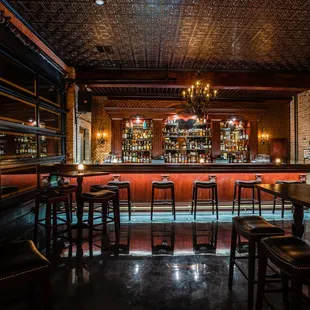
(152, 203)
(36, 222)
(235, 191)
(116, 215)
(195, 202)
(262, 268)
(212, 197)
(259, 203)
(239, 199)
(233, 244)
(90, 223)
(251, 273)
(173, 202)
(48, 227)
(54, 223)
(193, 198)
(253, 200)
(285, 294)
(282, 210)
(296, 293)
(71, 206)
(274, 204)
(129, 202)
(68, 217)
(216, 203)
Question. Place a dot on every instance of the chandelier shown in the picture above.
(197, 98)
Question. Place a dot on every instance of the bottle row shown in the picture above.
(145, 145)
(238, 147)
(188, 145)
(234, 135)
(136, 157)
(193, 157)
(137, 133)
(193, 132)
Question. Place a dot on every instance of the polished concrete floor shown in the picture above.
(165, 264)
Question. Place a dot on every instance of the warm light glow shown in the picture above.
(278, 161)
(98, 135)
(80, 167)
(202, 161)
(138, 120)
(215, 92)
(99, 2)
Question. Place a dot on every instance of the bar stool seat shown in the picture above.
(290, 250)
(22, 263)
(291, 256)
(240, 184)
(204, 183)
(249, 183)
(253, 229)
(123, 185)
(214, 198)
(281, 200)
(249, 226)
(163, 185)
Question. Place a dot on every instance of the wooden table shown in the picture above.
(298, 194)
(79, 177)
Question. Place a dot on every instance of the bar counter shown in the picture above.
(142, 175)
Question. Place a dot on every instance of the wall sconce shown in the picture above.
(101, 136)
(264, 137)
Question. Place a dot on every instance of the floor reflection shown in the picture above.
(206, 236)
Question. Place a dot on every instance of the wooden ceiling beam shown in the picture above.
(182, 79)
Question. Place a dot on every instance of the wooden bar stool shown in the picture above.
(163, 186)
(239, 185)
(51, 199)
(102, 198)
(210, 185)
(281, 200)
(123, 185)
(291, 256)
(21, 263)
(115, 189)
(253, 229)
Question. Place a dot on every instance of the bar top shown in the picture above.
(193, 168)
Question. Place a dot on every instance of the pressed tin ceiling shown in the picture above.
(268, 35)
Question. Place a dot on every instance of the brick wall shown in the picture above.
(303, 124)
(100, 121)
(276, 122)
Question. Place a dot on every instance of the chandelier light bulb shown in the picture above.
(99, 2)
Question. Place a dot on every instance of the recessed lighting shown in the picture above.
(99, 2)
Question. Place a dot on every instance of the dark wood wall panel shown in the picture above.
(116, 141)
(216, 143)
(157, 137)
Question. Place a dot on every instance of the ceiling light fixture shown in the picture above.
(197, 98)
(99, 2)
